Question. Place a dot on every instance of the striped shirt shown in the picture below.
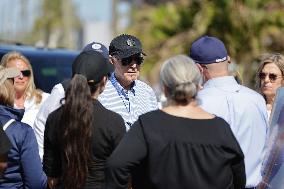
(130, 104)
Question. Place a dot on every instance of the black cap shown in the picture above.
(125, 46)
(93, 65)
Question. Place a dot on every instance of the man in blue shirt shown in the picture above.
(241, 107)
(124, 93)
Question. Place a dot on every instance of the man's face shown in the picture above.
(127, 69)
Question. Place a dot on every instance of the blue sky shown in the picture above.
(11, 18)
(96, 10)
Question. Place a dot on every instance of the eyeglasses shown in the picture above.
(127, 61)
(26, 73)
(272, 77)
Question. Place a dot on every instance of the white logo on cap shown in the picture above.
(221, 59)
(130, 42)
(96, 46)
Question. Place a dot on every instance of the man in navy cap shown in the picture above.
(124, 93)
(241, 107)
(58, 93)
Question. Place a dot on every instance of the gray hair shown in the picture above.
(181, 77)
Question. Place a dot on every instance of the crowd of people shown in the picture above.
(103, 127)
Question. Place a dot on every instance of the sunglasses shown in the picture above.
(272, 77)
(127, 61)
(26, 73)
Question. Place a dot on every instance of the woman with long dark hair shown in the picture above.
(81, 134)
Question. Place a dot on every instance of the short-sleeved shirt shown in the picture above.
(130, 104)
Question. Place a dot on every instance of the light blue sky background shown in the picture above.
(12, 20)
(96, 17)
(96, 10)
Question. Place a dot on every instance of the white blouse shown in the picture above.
(31, 109)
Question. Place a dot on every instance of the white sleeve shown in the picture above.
(50, 104)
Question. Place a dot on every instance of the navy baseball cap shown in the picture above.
(125, 46)
(96, 46)
(93, 65)
(207, 50)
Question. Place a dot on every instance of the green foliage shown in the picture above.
(247, 27)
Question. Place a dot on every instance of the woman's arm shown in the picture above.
(128, 154)
(33, 175)
(51, 156)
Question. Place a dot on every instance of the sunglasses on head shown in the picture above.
(127, 61)
(26, 73)
(272, 77)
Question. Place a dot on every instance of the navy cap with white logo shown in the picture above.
(207, 50)
(96, 46)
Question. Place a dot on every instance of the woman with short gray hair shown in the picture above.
(181, 79)
(181, 145)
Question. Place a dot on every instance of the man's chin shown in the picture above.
(132, 76)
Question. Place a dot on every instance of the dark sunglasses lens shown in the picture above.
(126, 61)
(272, 77)
(139, 60)
(26, 73)
(262, 75)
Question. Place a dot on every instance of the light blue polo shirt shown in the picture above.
(245, 111)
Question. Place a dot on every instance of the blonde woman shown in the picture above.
(24, 169)
(270, 77)
(27, 96)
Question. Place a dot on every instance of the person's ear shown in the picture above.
(199, 67)
(102, 84)
(199, 87)
(104, 80)
(165, 91)
(111, 59)
(229, 59)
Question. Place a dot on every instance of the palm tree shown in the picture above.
(56, 24)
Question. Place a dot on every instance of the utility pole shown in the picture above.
(66, 8)
(22, 27)
(114, 17)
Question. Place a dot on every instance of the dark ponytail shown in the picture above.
(75, 133)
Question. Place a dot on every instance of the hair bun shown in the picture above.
(183, 92)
